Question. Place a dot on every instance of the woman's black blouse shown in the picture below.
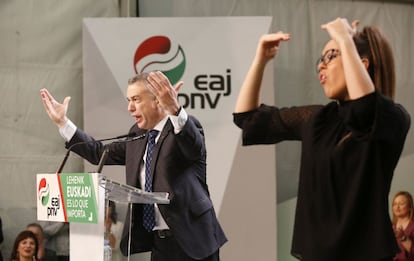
(349, 153)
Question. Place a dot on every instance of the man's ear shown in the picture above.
(365, 61)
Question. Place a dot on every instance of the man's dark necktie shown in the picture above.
(149, 217)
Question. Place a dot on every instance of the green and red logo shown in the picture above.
(156, 53)
(43, 191)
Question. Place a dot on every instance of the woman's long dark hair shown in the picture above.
(373, 45)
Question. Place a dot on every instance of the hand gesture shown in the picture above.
(166, 94)
(269, 45)
(399, 232)
(339, 29)
(55, 110)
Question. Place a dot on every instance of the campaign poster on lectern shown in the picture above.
(67, 197)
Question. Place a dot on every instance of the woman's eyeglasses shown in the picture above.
(327, 57)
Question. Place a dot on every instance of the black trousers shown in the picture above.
(166, 248)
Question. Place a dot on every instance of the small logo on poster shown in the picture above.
(43, 192)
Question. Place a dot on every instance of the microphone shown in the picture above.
(106, 150)
(130, 137)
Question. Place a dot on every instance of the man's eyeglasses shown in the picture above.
(327, 57)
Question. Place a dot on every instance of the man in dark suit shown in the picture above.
(187, 228)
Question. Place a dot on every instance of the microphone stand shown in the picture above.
(104, 156)
(133, 135)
